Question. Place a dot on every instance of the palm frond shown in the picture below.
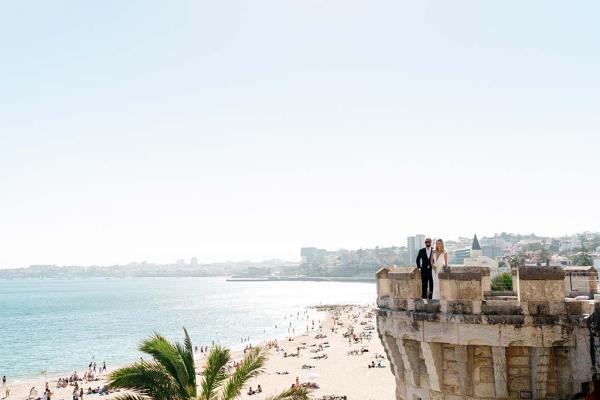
(293, 393)
(186, 352)
(214, 372)
(169, 357)
(130, 396)
(145, 380)
(251, 366)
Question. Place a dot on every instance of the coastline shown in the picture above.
(303, 279)
(234, 347)
(327, 374)
(106, 319)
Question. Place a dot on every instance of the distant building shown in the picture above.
(458, 256)
(413, 244)
(194, 261)
(477, 259)
(491, 251)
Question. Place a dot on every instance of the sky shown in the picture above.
(233, 130)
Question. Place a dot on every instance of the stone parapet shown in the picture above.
(541, 290)
(580, 281)
(461, 289)
(397, 288)
(475, 343)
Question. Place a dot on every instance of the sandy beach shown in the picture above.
(334, 355)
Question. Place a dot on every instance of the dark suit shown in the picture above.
(424, 264)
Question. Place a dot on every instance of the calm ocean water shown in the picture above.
(63, 324)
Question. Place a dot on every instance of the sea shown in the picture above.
(61, 325)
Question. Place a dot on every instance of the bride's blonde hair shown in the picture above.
(442, 243)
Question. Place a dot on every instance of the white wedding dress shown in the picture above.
(438, 263)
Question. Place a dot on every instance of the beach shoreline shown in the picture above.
(339, 373)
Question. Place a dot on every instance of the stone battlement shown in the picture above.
(538, 291)
(532, 342)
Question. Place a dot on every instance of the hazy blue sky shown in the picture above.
(153, 130)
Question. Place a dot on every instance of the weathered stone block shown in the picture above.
(459, 307)
(482, 351)
(484, 362)
(530, 273)
(448, 289)
(442, 332)
(485, 335)
(400, 304)
(531, 290)
(486, 375)
(484, 390)
(580, 280)
(538, 307)
(469, 290)
(486, 283)
(511, 335)
(450, 364)
(519, 383)
(435, 395)
(515, 351)
(384, 302)
(554, 290)
(451, 378)
(557, 307)
(518, 361)
(448, 351)
(501, 307)
(557, 335)
(514, 371)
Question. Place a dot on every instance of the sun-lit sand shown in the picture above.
(344, 371)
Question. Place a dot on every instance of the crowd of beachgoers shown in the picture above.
(74, 383)
(332, 357)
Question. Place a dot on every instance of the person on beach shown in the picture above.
(424, 264)
(3, 380)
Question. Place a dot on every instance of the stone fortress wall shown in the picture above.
(537, 342)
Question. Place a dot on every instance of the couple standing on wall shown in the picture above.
(430, 261)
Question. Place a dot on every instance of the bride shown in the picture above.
(439, 261)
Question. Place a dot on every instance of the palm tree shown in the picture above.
(171, 374)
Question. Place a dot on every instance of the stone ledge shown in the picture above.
(482, 319)
(402, 273)
(541, 273)
(499, 293)
(464, 273)
(516, 320)
(498, 307)
(584, 270)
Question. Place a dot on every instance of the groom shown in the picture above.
(424, 264)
